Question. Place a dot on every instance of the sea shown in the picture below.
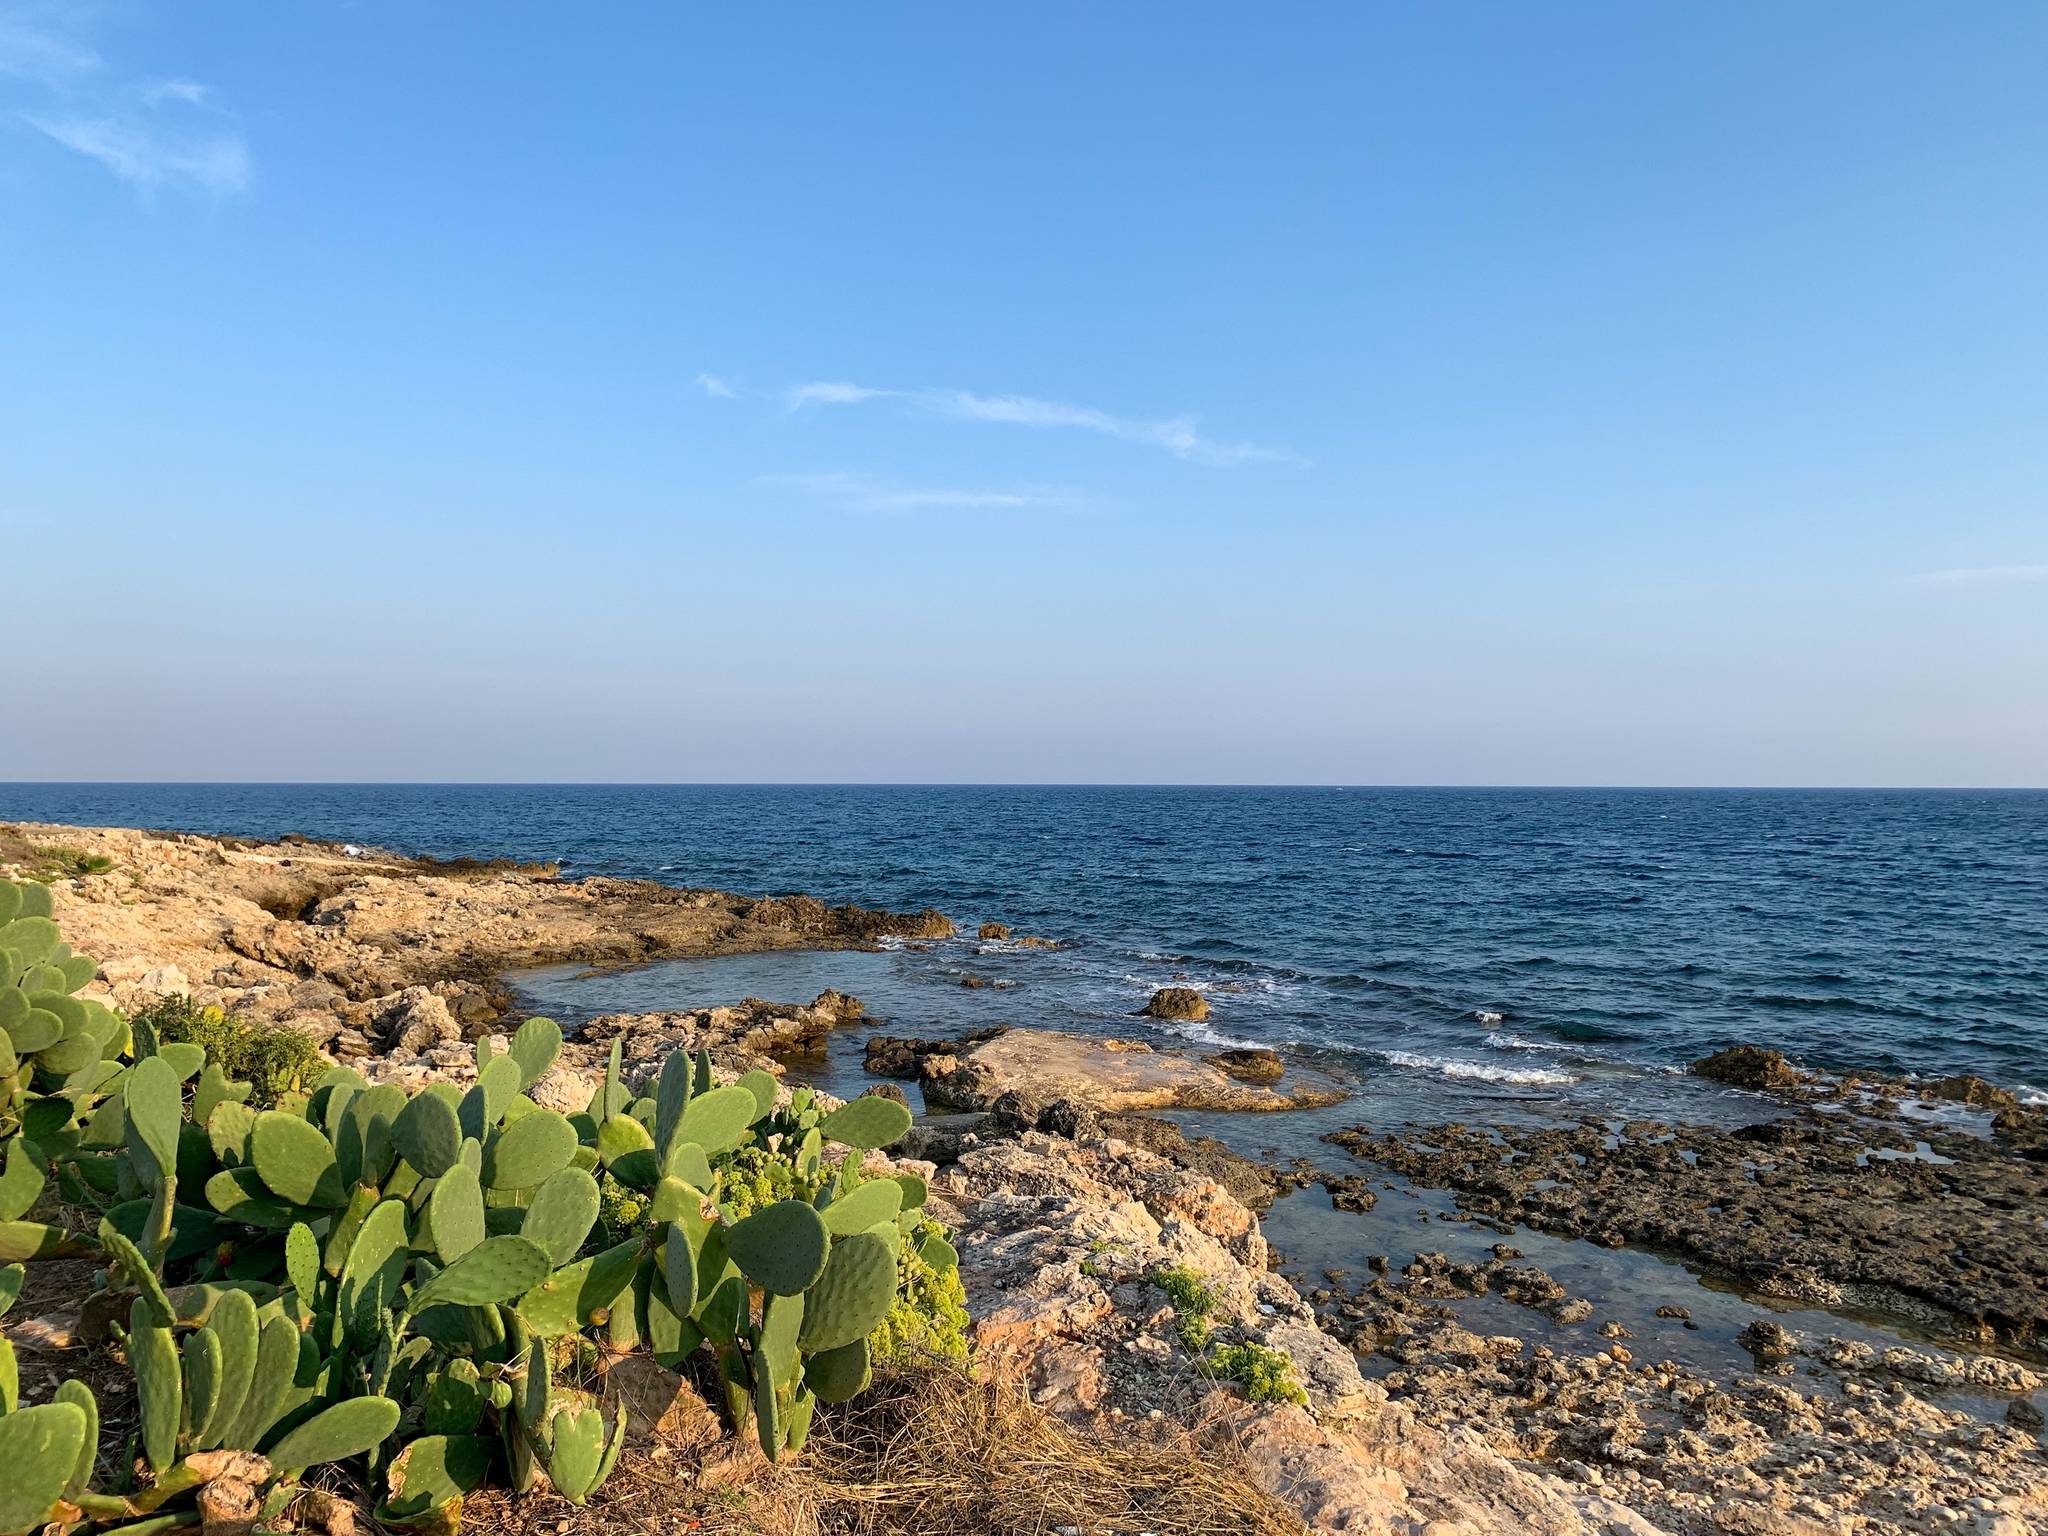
(1524, 941)
(1480, 955)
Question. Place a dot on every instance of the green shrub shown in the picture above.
(275, 1058)
(930, 1314)
(1266, 1375)
(1194, 1303)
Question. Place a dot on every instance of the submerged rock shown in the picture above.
(1748, 1066)
(1182, 1004)
(1249, 1064)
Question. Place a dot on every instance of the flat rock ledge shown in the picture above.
(349, 944)
(971, 1073)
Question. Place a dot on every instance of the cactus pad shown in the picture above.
(455, 1211)
(561, 1213)
(496, 1270)
(39, 1447)
(428, 1134)
(835, 1375)
(536, 1145)
(535, 1046)
(296, 1161)
(867, 1122)
(781, 1247)
(862, 1207)
(336, 1433)
(717, 1119)
(854, 1293)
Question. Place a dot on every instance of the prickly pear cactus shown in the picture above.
(290, 1285)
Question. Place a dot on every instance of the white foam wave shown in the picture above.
(1487, 1016)
(1451, 1066)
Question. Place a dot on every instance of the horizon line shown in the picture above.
(1246, 784)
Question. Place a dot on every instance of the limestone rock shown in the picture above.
(1184, 1004)
(1748, 1066)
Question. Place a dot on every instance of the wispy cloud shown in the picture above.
(144, 132)
(1180, 436)
(31, 53)
(716, 387)
(827, 392)
(147, 158)
(1984, 575)
(850, 492)
(189, 92)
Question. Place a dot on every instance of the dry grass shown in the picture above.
(924, 1453)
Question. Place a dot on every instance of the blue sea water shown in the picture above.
(1498, 941)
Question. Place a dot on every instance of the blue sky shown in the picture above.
(1348, 393)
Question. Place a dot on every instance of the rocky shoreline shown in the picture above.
(1074, 1208)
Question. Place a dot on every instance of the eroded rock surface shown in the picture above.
(1102, 1074)
(337, 942)
(1933, 1223)
(1057, 1242)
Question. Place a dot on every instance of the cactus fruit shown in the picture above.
(39, 1447)
(336, 1433)
(781, 1247)
(867, 1122)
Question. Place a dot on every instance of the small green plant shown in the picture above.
(1266, 1375)
(1194, 1303)
(929, 1317)
(275, 1059)
(58, 861)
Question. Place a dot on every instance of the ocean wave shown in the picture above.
(1488, 1015)
(1451, 1066)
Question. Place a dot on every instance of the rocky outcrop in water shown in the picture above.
(1181, 1004)
(1102, 1074)
(316, 936)
(1936, 1225)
